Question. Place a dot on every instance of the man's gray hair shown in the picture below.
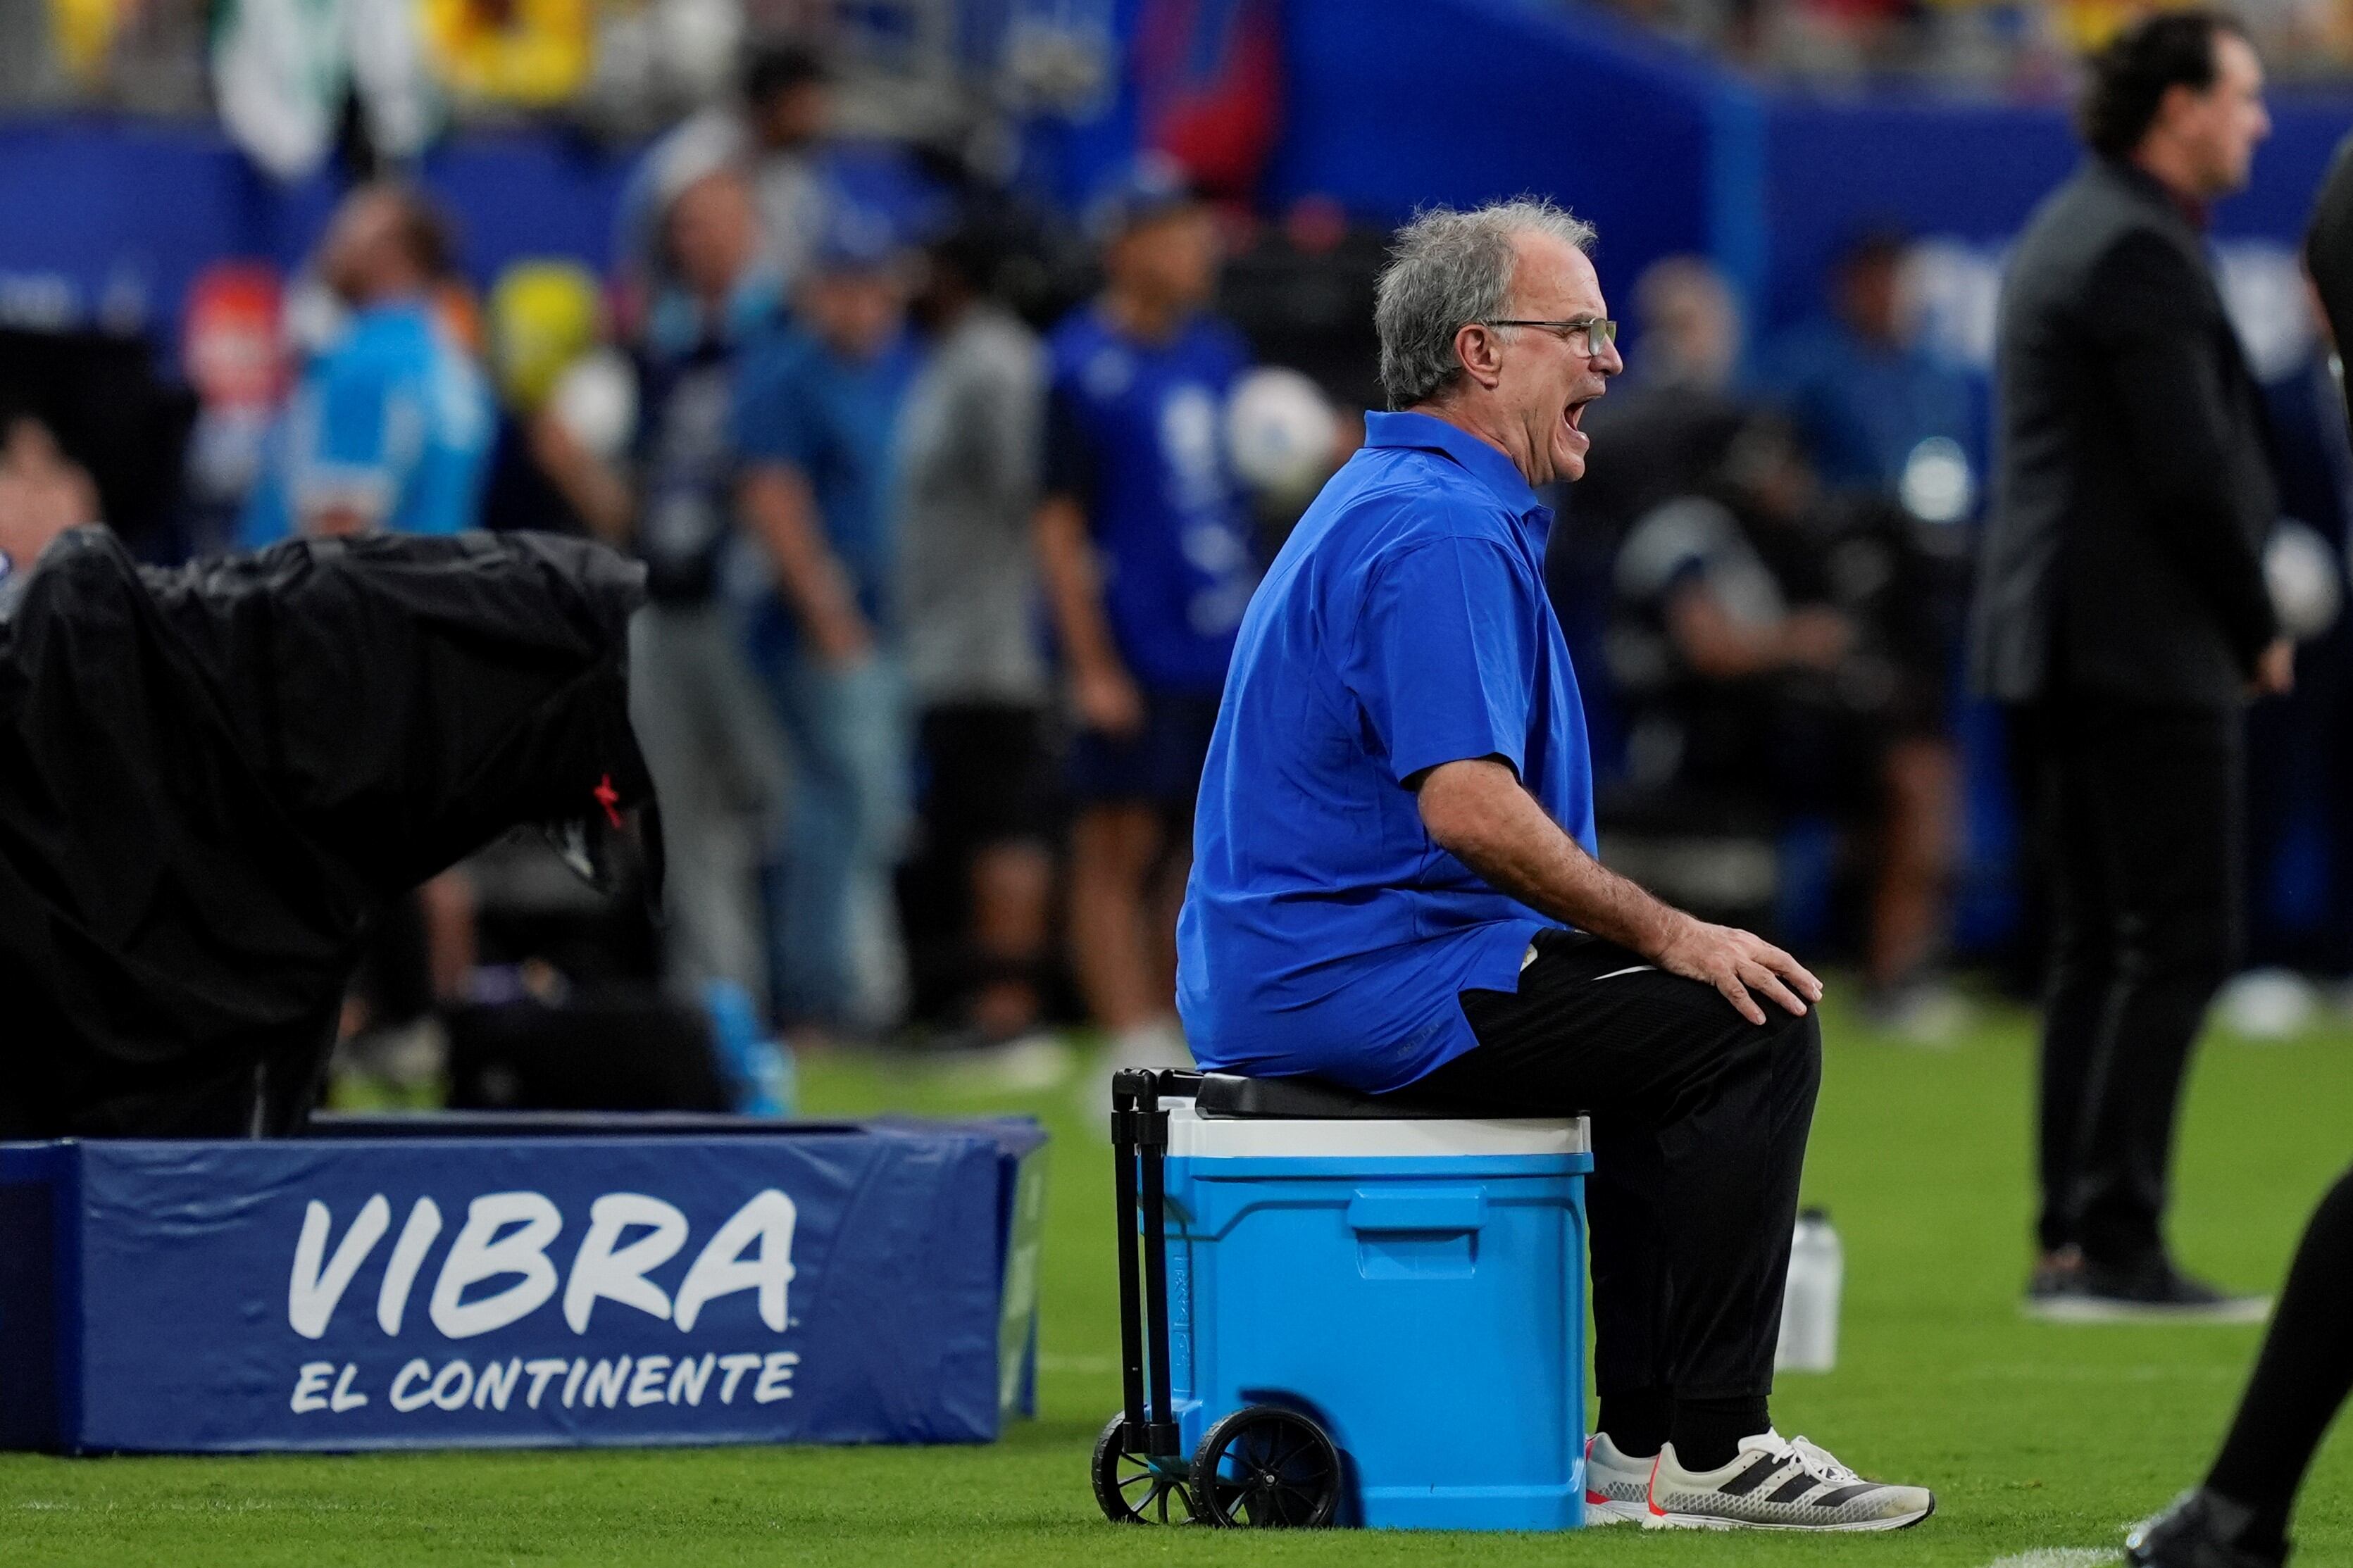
(1447, 270)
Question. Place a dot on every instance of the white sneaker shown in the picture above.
(1776, 1485)
(1617, 1486)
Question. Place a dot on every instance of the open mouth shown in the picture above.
(1574, 413)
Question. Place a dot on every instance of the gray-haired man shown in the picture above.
(1395, 884)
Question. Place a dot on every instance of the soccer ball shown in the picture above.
(1279, 428)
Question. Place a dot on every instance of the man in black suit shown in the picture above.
(2121, 612)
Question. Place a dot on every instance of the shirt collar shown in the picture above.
(2193, 212)
(1482, 462)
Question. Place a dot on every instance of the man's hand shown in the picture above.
(1816, 638)
(1737, 963)
(1107, 700)
(1476, 810)
(842, 636)
(2274, 670)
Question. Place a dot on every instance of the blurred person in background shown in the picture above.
(234, 352)
(816, 424)
(1145, 546)
(1860, 387)
(43, 492)
(390, 425)
(2122, 614)
(1671, 418)
(775, 133)
(542, 321)
(700, 715)
(1779, 646)
(1667, 423)
(969, 490)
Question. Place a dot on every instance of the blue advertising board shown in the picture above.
(858, 1284)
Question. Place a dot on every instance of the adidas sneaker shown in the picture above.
(1617, 1486)
(1772, 1483)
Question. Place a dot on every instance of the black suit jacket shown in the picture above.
(2134, 491)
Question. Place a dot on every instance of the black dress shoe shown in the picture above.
(2151, 1289)
(2202, 1530)
(2057, 1276)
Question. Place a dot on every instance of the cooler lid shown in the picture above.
(1192, 1136)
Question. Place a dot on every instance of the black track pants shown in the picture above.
(2303, 1374)
(1700, 1121)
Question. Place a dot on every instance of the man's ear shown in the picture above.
(1477, 350)
(2177, 101)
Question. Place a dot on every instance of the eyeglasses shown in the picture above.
(1599, 331)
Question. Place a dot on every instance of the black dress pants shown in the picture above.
(2138, 811)
(1700, 1121)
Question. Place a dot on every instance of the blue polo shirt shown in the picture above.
(393, 422)
(799, 404)
(1404, 624)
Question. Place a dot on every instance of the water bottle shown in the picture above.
(1810, 1306)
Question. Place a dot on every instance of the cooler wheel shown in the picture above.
(1267, 1467)
(1132, 1490)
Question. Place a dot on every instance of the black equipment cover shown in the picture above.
(213, 778)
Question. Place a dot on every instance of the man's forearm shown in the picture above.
(777, 504)
(1073, 592)
(595, 490)
(1482, 815)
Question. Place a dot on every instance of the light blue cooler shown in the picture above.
(1412, 1284)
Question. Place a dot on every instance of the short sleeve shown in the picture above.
(773, 419)
(1070, 459)
(999, 418)
(1445, 661)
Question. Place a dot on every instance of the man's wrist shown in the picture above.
(1103, 667)
(1661, 923)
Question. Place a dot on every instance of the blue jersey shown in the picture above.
(393, 423)
(1863, 407)
(1404, 625)
(836, 420)
(1137, 436)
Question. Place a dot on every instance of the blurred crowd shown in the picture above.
(949, 511)
(951, 504)
(1771, 558)
(275, 70)
(2024, 48)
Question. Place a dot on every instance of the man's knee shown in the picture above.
(2195, 946)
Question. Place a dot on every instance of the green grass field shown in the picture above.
(2038, 1439)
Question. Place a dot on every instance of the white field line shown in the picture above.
(2048, 1372)
(2060, 1557)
